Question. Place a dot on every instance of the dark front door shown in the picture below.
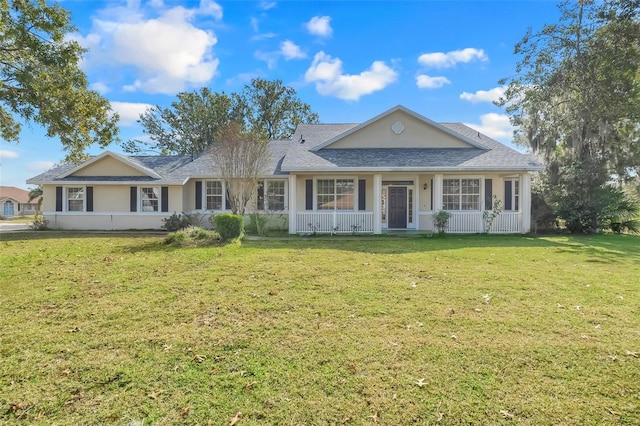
(397, 207)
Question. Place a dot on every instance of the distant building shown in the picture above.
(15, 202)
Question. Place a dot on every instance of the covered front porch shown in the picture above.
(362, 222)
(407, 203)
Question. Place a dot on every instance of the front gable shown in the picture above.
(398, 128)
(110, 164)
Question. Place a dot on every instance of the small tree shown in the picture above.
(441, 220)
(34, 193)
(240, 158)
(488, 216)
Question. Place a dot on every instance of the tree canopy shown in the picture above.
(265, 109)
(41, 82)
(575, 100)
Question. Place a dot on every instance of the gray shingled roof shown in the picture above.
(496, 156)
(173, 169)
(297, 155)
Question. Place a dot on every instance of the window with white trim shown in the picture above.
(512, 194)
(75, 199)
(461, 194)
(214, 195)
(335, 194)
(150, 199)
(272, 195)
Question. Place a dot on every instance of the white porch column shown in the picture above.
(525, 204)
(377, 204)
(437, 192)
(293, 189)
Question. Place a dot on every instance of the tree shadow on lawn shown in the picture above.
(605, 248)
(601, 248)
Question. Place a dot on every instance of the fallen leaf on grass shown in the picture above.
(235, 419)
(73, 330)
(506, 414)
(374, 418)
(184, 412)
(199, 358)
(633, 354)
(613, 413)
(420, 382)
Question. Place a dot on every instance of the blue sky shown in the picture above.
(349, 60)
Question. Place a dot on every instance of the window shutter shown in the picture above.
(260, 200)
(362, 194)
(198, 195)
(58, 198)
(227, 203)
(133, 199)
(164, 198)
(89, 198)
(18, 206)
(309, 194)
(507, 194)
(488, 194)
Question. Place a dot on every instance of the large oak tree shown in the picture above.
(41, 82)
(575, 100)
(264, 108)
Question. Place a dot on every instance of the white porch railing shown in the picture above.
(507, 223)
(472, 222)
(334, 222)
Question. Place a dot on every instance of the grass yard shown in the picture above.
(122, 329)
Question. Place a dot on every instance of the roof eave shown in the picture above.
(411, 169)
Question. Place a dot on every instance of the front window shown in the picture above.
(150, 198)
(512, 194)
(213, 195)
(75, 199)
(274, 195)
(461, 194)
(335, 194)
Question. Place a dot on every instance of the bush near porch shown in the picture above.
(101, 328)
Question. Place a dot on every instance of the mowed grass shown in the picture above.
(122, 329)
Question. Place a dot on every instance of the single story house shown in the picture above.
(15, 202)
(391, 172)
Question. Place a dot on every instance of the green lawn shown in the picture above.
(122, 329)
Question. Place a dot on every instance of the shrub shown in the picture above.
(177, 221)
(441, 220)
(193, 236)
(39, 222)
(229, 225)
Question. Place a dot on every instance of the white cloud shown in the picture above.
(167, 53)
(271, 58)
(495, 126)
(100, 88)
(129, 112)
(491, 95)
(7, 153)
(290, 50)
(40, 166)
(266, 5)
(450, 59)
(326, 73)
(320, 26)
(424, 81)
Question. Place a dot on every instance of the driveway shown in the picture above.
(8, 226)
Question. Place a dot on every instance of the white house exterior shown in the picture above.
(389, 173)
